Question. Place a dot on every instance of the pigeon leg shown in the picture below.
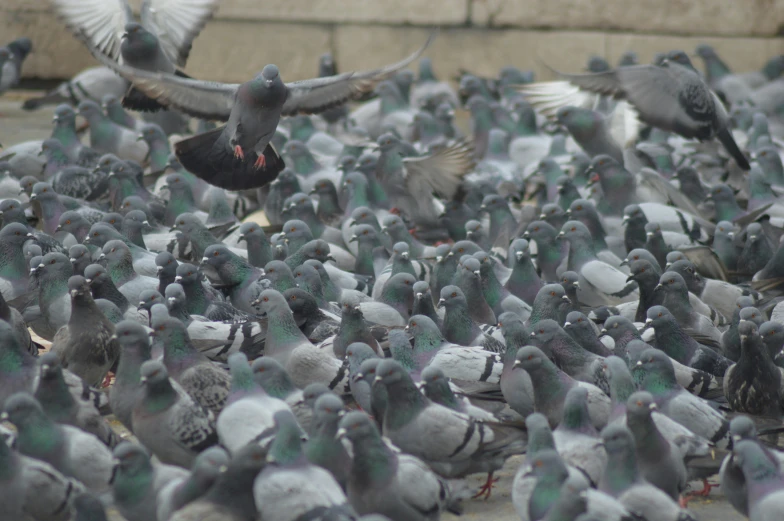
(238, 152)
(705, 492)
(261, 161)
(107, 380)
(487, 488)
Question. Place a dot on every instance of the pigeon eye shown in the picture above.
(660, 314)
(574, 229)
(18, 233)
(552, 293)
(114, 250)
(365, 232)
(318, 252)
(161, 328)
(579, 320)
(541, 331)
(52, 261)
(639, 403)
(413, 324)
(536, 229)
(642, 270)
(672, 281)
(580, 207)
(530, 357)
(153, 297)
(45, 190)
(215, 254)
(454, 294)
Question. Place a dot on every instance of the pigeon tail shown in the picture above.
(728, 141)
(136, 100)
(208, 157)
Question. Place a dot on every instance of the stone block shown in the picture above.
(482, 52)
(381, 11)
(235, 51)
(740, 54)
(686, 17)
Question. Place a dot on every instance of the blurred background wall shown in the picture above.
(478, 35)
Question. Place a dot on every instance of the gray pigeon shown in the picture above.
(382, 481)
(239, 155)
(291, 488)
(763, 481)
(671, 96)
(179, 492)
(576, 439)
(323, 447)
(68, 449)
(169, 422)
(134, 351)
(87, 345)
(277, 383)
(137, 481)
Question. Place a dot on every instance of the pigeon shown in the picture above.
(271, 376)
(289, 486)
(168, 421)
(247, 400)
(177, 493)
(445, 448)
(763, 479)
(382, 481)
(576, 439)
(86, 345)
(225, 148)
(70, 450)
(458, 326)
(553, 386)
(134, 343)
(691, 109)
(138, 481)
(58, 403)
(623, 481)
(324, 448)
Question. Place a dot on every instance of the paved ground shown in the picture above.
(17, 125)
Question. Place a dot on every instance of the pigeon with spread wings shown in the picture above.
(160, 43)
(239, 155)
(671, 96)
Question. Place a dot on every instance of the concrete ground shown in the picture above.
(17, 125)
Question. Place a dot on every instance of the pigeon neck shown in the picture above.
(259, 252)
(131, 487)
(762, 478)
(491, 287)
(581, 252)
(134, 235)
(358, 197)
(13, 357)
(659, 383)
(524, 273)
(55, 398)
(715, 69)
(621, 472)
(394, 297)
(441, 394)
(243, 382)
(424, 306)
(40, 438)
(238, 272)
(403, 354)
(83, 310)
(328, 206)
(201, 239)
(106, 289)
(9, 463)
(233, 490)
(427, 342)
(374, 462)
(178, 351)
(540, 439)
(727, 210)
(677, 302)
(576, 419)
(178, 311)
(197, 301)
(49, 212)
(514, 341)
(401, 265)
(283, 335)
(159, 396)
(286, 449)
(405, 403)
(621, 388)
(52, 288)
(546, 492)
(391, 102)
(646, 435)
(459, 327)
(305, 164)
(129, 366)
(674, 341)
(390, 161)
(5, 310)
(181, 201)
(66, 134)
(159, 155)
(278, 385)
(364, 261)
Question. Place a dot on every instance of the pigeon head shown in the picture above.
(64, 115)
(575, 320)
(553, 214)
(672, 282)
(279, 273)
(681, 58)
(574, 230)
(43, 193)
(529, 358)
(95, 274)
(755, 462)
(313, 391)
(389, 90)
(270, 375)
(138, 41)
(472, 268)
(317, 249)
(307, 277)
(135, 220)
(421, 325)
(55, 264)
(520, 249)
(324, 188)
(347, 163)
(187, 274)
(131, 458)
(653, 230)
(355, 426)
(492, 203)
(617, 439)
(295, 149)
(153, 372)
(349, 306)
(301, 303)
(358, 352)
(248, 461)
(15, 234)
(271, 301)
(367, 370)
(655, 361)
(250, 231)
(461, 248)
(390, 372)
(78, 287)
(131, 333)
(12, 210)
(216, 255)
(540, 230)
(116, 251)
(577, 119)
(187, 223)
(387, 142)
(21, 408)
(106, 163)
(79, 253)
(451, 297)
(50, 366)
(134, 202)
(208, 465)
(570, 280)
(551, 296)
(640, 405)
(90, 111)
(421, 290)
(152, 133)
(473, 230)
(110, 101)
(628, 58)
(169, 331)
(597, 64)
(367, 163)
(114, 219)
(772, 334)
(641, 253)
(363, 215)
(329, 408)
(616, 326)
(743, 428)
(748, 331)
(642, 272)
(175, 296)
(177, 184)
(100, 233)
(722, 193)
(547, 463)
(296, 232)
(658, 316)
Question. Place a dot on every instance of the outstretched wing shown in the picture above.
(101, 22)
(319, 94)
(176, 23)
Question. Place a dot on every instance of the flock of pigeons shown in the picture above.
(578, 280)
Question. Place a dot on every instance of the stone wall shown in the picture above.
(479, 35)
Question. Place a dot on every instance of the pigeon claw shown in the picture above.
(261, 161)
(487, 488)
(705, 492)
(238, 152)
(107, 380)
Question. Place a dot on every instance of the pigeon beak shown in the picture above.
(542, 217)
(73, 261)
(269, 83)
(102, 256)
(124, 35)
(3, 416)
(404, 255)
(32, 196)
(55, 118)
(204, 259)
(649, 234)
(752, 237)
(576, 284)
(483, 208)
(158, 269)
(561, 235)
(178, 278)
(384, 229)
(171, 300)
(603, 331)
(639, 363)
(648, 322)
(140, 137)
(58, 229)
(625, 220)
(630, 278)
(353, 238)
(567, 324)
(406, 329)
(441, 303)
(625, 262)
(86, 240)
(142, 379)
(566, 299)
(439, 258)
(476, 272)
(141, 305)
(353, 222)
(30, 236)
(74, 292)
(653, 407)
(331, 258)
(419, 295)
(340, 434)
(88, 281)
(731, 235)
(526, 235)
(533, 334)
(519, 254)
(517, 363)
(658, 287)
(377, 379)
(113, 337)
